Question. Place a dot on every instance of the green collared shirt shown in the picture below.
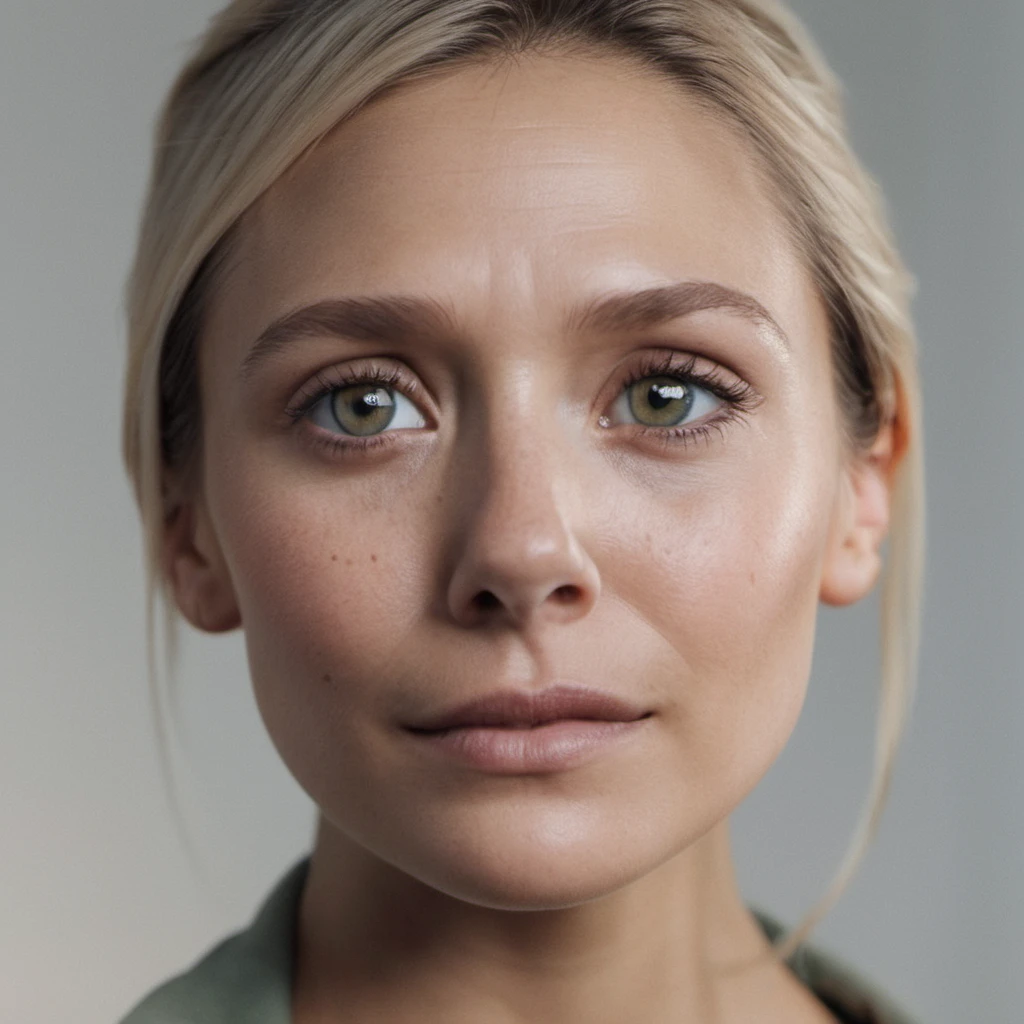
(246, 978)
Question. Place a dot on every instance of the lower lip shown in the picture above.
(556, 746)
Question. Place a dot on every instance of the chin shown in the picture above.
(541, 885)
(547, 862)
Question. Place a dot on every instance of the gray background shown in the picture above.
(98, 902)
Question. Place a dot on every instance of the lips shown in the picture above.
(515, 709)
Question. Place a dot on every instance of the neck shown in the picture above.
(375, 944)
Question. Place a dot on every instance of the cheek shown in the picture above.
(730, 579)
(327, 584)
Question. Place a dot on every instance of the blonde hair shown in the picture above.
(270, 78)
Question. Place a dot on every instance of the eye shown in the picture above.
(364, 410)
(672, 402)
(665, 401)
(356, 408)
(354, 405)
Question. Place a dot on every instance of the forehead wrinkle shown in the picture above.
(277, 206)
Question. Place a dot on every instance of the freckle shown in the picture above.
(753, 578)
(348, 561)
(373, 558)
(334, 558)
(327, 678)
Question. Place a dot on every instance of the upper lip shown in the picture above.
(523, 709)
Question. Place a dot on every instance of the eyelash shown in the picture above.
(739, 398)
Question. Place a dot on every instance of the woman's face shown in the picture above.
(522, 516)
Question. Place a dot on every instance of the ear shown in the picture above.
(853, 561)
(195, 569)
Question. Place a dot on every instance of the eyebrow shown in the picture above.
(404, 318)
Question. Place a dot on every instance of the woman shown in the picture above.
(521, 375)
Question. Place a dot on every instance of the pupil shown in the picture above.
(659, 395)
(367, 404)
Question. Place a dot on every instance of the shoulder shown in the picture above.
(207, 992)
(846, 992)
(246, 976)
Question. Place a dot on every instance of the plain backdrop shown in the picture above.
(98, 902)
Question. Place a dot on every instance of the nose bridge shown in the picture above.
(518, 544)
(523, 499)
(514, 438)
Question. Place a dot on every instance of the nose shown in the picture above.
(519, 559)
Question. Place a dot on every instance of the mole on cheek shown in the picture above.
(373, 558)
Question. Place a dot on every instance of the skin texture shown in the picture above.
(684, 577)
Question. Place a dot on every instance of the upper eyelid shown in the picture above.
(677, 361)
(671, 361)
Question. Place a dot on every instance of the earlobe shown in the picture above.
(853, 561)
(196, 573)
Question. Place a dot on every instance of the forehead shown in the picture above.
(516, 186)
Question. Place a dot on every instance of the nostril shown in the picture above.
(485, 600)
(569, 592)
